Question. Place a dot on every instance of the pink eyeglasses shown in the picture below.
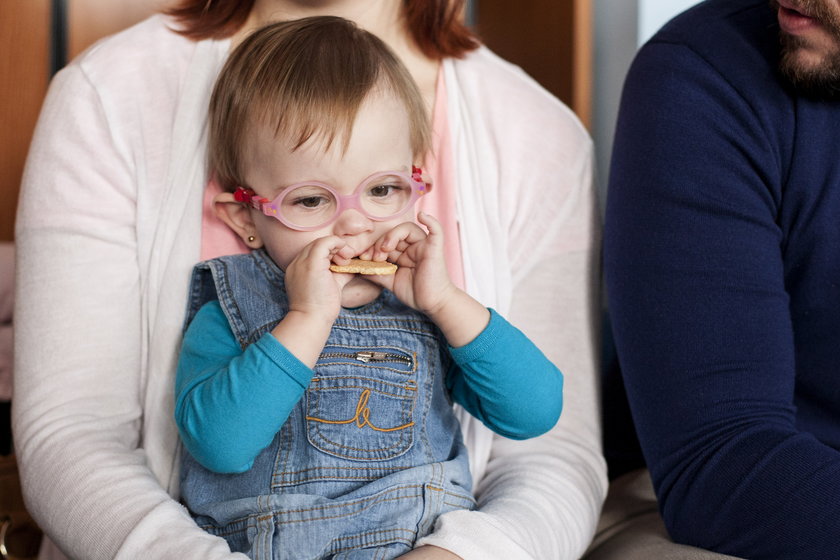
(312, 205)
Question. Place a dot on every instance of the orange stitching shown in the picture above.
(343, 468)
(392, 540)
(373, 499)
(357, 501)
(362, 417)
(459, 506)
(228, 529)
(348, 514)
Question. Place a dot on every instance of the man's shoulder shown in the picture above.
(724, 30)
(731, 46)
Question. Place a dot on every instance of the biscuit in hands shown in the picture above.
(358, 266)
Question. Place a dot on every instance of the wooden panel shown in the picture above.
(90, 20)
(24, 72)
(582, 71)
(549, 39)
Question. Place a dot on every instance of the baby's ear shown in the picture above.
(238, 218)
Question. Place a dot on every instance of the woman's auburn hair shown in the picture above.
(436, 25)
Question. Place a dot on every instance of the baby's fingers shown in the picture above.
(326, 249)
(434, 227)
(431, 223)
(397, 240)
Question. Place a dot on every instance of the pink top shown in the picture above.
(218, 240)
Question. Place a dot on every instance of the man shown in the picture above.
(722, 259)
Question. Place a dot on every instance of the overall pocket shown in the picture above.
(360, 402)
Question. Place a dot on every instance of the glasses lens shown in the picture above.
(308, 206)
(385, 195)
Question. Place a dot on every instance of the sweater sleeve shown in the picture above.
(701, 318)
(230, 403)
(505, 381)
(539, 497)
(80, 376)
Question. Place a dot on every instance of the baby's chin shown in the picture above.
(358, 292)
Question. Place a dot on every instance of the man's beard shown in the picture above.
(817, 81)
(821, 82)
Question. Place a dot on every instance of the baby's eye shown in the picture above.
(310, 201)
(383, 190)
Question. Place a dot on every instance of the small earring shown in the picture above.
(251, 238)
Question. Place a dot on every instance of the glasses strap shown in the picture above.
(249, 197)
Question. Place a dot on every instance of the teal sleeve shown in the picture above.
(230, 403)
(504, 380)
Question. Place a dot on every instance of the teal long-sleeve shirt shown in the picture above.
(230, 403)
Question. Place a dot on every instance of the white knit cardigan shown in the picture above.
(109, 227)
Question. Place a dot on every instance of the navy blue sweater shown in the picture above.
(722, 259)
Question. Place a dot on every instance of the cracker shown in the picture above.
(358, 266)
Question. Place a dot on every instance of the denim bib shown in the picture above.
(370, 455)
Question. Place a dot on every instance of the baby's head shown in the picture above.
(304, 82)
(315, 129)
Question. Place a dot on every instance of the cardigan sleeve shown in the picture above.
(541, 497)
(702, 319)
(78, 323)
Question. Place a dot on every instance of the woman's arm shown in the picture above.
(79, 371)
(540, 498)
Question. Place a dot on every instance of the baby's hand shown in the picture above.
(312, 288)
(421, 281)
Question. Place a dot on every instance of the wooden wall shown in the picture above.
(26, 44)
(24, 72)
(549, 39)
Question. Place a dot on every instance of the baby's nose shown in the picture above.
(352, 222)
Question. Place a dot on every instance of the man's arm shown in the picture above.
(695, 277)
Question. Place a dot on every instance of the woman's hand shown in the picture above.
(429, 553)
(421, 281)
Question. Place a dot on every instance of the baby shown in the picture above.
(315, 405)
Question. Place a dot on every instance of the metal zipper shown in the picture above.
(368, 356)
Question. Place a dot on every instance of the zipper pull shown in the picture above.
(367, 355)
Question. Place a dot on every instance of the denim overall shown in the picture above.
(370, 455)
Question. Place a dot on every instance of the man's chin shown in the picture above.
(810, 74)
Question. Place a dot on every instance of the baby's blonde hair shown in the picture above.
(304, 78)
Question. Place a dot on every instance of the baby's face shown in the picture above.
(380, 141)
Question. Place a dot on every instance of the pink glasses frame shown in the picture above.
(345, 202)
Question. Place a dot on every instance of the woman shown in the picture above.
(110, 225)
